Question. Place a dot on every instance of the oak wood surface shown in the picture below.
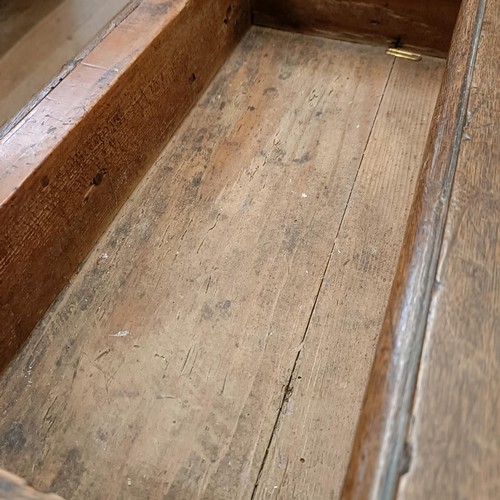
(455, 432)
(426, 25)
(13, 487)
(38, 56)
(379, 454)
(66, 169)
(162, 368)
(309, 451)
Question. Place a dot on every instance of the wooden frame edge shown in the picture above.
(13, 487)
(380, 454)
(68, 67)
(424, 26)
(72, 161)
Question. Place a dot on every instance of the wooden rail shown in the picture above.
(379, 455)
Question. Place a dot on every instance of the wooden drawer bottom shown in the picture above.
(217, 341)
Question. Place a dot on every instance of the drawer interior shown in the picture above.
(217, 340)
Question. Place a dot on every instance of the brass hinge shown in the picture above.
(404, 54)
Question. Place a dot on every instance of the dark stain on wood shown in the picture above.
(69, 474)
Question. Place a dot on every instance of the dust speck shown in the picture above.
(121, 333)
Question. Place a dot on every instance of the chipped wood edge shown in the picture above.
(366, 22)
(68, 67)
(380, 455)
(13, 487)
(68, 166)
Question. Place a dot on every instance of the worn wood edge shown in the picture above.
(380, 452)
(49, 223)
(13, 487)
(430, 40)
(67, 68)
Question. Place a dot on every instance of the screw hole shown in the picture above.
(97, 178)
(228, 14)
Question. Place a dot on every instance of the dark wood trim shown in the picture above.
(379, 455)
(424, 26)
(70, 164)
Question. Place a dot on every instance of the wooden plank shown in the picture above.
(41, 53)
(69, 165)
(379, 456)
(426, 25)
(310, 448)
(212, 267)
(454, 435)
(15, 488)
(17, 17)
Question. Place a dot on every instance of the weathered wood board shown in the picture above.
(163, 367)
(70, 164)
(310, 449)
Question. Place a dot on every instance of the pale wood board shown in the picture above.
(163, 366)
(39, 55)
(17, 17)
(454, 439)
(310, 449)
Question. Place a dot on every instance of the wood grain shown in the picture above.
(17, 17)
(15, 488)
(426, 25)
(379, 455)
(41, 53)
(161, 370)
(310, 448)
(69, 165)
(455, 436)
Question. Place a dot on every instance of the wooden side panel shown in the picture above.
(379, 454)
(455, 436)
(69, 165)
(426, 25)
(14, 488)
